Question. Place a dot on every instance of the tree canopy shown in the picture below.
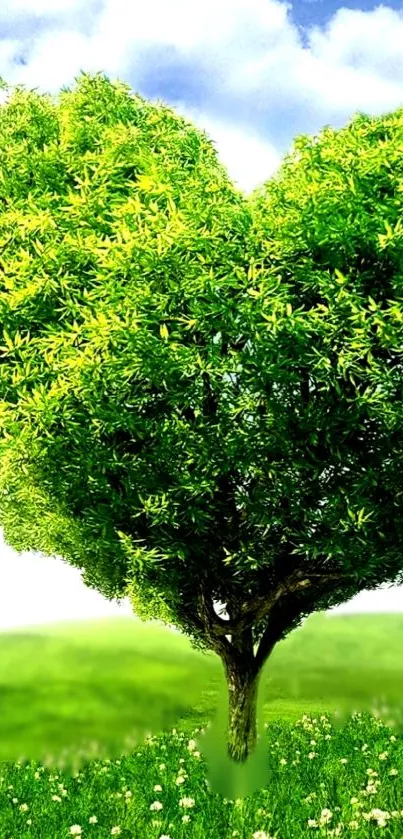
(201, 392)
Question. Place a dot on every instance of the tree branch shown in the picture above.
(250, 611)
(274, 630)
(260, 607)
(288, 612)
(214, 627)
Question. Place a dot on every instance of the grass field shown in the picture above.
(128, 700)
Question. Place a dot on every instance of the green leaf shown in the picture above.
(340, 278)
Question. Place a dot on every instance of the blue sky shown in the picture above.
(253, 74)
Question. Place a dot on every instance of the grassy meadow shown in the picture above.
(123, 703)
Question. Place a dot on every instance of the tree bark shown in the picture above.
(242, 733)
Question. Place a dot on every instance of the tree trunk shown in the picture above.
(234, 745)
(242, 717)
(243, 669)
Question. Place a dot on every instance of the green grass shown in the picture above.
(113, 681)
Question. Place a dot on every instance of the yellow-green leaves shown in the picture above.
(9, 342)
(357, 517)
(190, 323)
(340, 278)
(164, 331)
(229, 557)
(145, 183)
(14, 343)
(391, 234)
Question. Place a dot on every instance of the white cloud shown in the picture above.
(56, 57)
(38, 7)
(8, 50)
(339, 88)
(191, 26)
(248, 158)
(361, 39)
(324, 74)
